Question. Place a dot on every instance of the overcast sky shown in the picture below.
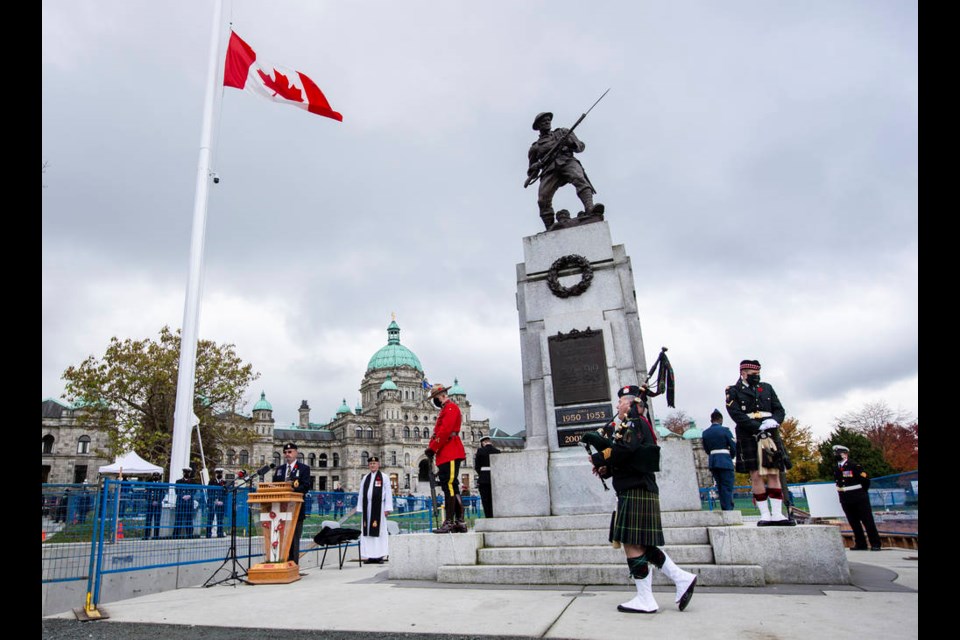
(758, 160)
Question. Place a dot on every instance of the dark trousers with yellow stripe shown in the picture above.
(448, 476)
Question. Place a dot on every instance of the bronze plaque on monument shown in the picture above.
(578, 365)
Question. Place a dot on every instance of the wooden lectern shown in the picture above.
(279, 509)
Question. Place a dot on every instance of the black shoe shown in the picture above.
(876, 549)
(858, 548)
(785, 523)
(766, 523)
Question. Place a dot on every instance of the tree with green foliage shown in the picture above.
(802, 449)
(130, 394)
(861, 450)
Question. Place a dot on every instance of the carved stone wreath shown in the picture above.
(568, 262)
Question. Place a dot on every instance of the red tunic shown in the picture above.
(446, 434)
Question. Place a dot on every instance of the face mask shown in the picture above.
(437, 403)
(753, 379)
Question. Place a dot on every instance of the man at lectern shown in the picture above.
(298, 474)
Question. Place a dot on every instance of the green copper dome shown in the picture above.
(262, 404)
(343, 408)
(388, 384)
(456, 389)
(394, 354)
(692, 432)
(661, 430)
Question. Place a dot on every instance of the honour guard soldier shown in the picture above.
(852, 484)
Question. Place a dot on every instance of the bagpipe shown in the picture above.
(646, 458)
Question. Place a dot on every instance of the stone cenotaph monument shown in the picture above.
(580, 341)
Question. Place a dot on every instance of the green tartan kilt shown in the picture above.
(638, 519)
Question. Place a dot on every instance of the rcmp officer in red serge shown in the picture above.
(631, 458)
(447, 448)
(852, 484)
(757, 412)
(298, 474)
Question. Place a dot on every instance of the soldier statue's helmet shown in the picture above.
(749, 365)
(541, 116)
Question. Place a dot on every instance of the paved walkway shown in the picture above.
(362, 602)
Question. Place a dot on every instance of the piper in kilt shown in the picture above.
(631, 457)
(756, 409)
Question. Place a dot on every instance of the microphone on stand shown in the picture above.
(267, 467)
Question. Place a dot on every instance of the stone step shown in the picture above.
(584, 537)
(568, 555)
(709, 575)
(602, 520)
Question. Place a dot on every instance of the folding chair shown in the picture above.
(333, 535)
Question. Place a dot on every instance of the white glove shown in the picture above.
(769, 424)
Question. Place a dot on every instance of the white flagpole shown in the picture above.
(183, 414)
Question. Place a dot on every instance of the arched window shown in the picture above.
(231, 457)
(47, 444)
(359, 432)
(83, 444)
(406, 432)
(299, 457)
(276, 458)
(244, 457)
(369, 434)
(311, 459)
(363, 458)
(323, 460)
(336, 459)
(393, 458)
(416, 432)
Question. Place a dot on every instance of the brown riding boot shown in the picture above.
(448, 526)
(460, 526)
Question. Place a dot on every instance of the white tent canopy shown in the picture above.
(131, 465)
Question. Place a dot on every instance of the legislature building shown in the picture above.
(394, 421)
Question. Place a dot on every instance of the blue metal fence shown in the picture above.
(92, 530)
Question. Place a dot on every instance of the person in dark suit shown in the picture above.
(216, 498)
(852, 484)
(481, 462)
(297, 474)
(155, 493)
(719, 444)
(183, 515)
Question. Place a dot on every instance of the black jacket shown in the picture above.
(743, 400)
(482, 460)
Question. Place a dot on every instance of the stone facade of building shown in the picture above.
(394, 422)
(69, 453)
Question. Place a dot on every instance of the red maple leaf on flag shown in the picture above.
(282, 86)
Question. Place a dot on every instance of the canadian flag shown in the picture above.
(243, 71)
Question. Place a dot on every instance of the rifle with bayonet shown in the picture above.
(536, 170)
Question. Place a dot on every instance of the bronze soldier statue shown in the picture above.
(551, 160)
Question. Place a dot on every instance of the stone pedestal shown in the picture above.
(576, 350)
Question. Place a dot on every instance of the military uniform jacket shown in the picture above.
(743, 400)
(481, 462)
(446, 441)
(851, 474)
(628, 451)
(718, 438)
